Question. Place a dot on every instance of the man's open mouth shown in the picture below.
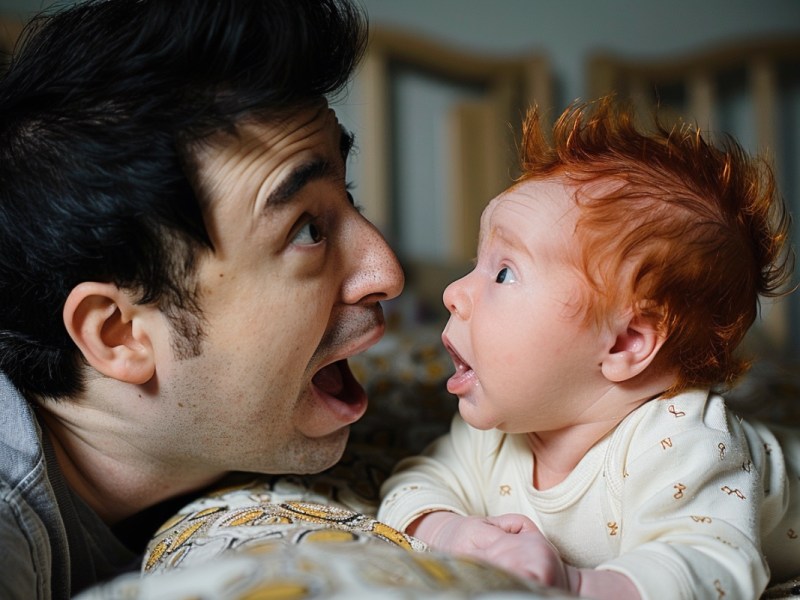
(337, 380)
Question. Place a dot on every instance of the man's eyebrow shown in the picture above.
(301, 176)
(346, 142)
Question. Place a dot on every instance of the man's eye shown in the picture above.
(505, 275)
(308, 234)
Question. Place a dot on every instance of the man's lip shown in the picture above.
(355, 346)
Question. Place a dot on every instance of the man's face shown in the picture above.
(290, 291)
(525, 361)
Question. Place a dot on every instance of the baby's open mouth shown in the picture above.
(464, 377)
(460, 364)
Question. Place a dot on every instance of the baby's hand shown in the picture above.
(510, 541)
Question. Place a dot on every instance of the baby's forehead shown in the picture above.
(539, 215)
(531, 199)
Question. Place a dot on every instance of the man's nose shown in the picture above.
(377, 274)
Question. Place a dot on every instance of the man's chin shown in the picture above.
(322, 453)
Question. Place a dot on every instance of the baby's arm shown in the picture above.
(510, 541)
(689, 500)
(445, 485)
(514, 543)
(685, 500)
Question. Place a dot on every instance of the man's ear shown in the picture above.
(636, 344)
(105, 324)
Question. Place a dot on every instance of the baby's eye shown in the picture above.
(505, 275)
(308, 235)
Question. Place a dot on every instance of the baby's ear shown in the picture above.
(108, 328)
(636, 343)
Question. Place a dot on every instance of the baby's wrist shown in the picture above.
(428, 526)
(600, 584)
(572, 578)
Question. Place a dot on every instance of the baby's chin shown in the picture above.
(476, 418)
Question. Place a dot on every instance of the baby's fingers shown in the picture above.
(513, 523)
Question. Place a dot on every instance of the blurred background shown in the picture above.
(437, 103)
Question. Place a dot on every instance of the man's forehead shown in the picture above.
(261, 128)
(273, 145)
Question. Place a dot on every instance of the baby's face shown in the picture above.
(525, 360)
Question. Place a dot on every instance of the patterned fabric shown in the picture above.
(260, 513)
(272, 539)
(332, 570)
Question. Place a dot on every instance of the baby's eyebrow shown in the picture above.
(511, 240)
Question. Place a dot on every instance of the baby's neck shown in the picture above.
(557, 453)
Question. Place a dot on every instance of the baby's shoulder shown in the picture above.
(693, 410)
(681, 425)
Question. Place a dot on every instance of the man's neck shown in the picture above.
(113, 477)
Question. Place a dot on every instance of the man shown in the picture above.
(183, 273)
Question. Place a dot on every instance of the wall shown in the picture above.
(567, 31)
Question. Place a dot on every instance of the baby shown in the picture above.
(613, 283)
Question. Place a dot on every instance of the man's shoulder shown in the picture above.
(15, 515)
(28, 507)
(18, 573)
(21, 450)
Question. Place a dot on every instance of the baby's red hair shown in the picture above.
(682, 232)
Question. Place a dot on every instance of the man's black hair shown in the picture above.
(98, 112)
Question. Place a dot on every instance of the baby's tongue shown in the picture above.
(329, 379)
